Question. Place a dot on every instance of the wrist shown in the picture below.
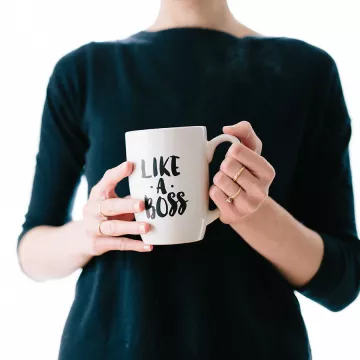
(77, 242)
(264, 209)
(259, 228)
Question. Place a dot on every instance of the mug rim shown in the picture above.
(166, 129)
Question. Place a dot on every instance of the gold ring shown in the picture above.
(231, 198)
(238, 174)
(99, 228)
(100, 212)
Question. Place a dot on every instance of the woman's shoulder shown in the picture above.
(72, 63)
(294, 51)
(93, 53)
(79, 61)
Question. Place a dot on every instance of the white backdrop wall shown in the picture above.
(34, 35)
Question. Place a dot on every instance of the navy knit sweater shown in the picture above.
(217, 298)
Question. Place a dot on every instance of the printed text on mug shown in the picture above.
(170, 204)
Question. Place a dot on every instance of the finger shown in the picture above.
(110, 194)
(255, 163)
(229, 188)
(119, 228)
(105, 244)
(225, 184)
(246, 179)
(110, 179)
(219, 199)
(112, 207)
(244, 131)
(238, 208)
(124, 217)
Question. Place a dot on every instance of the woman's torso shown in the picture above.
(216, 298)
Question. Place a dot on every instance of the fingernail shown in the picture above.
(137, 206)
(147, 247)
(126, 164)
(143, 228)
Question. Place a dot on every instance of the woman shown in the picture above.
(232, 294)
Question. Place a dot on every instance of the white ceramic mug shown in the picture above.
(171, 174)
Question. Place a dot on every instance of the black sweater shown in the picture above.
(217, 298)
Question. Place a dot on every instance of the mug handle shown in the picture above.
(212, 215)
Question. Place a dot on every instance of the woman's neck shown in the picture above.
(213, 14)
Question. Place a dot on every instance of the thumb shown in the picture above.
(105, 188)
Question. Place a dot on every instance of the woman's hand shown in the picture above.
(52, 252)
(242, 184)
(107, 218)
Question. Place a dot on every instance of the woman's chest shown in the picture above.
(278, 120)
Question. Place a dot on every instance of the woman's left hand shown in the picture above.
(244, 173)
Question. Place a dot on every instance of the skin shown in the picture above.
(296, 251)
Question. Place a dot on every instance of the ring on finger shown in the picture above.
(100, 211)
(231, 198)
(238, 173)
(99, 228)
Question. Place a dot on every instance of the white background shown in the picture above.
(34, 35)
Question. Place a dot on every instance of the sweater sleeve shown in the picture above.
(323, 199)
(62, 147)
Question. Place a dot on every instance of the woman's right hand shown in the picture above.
(107, 218)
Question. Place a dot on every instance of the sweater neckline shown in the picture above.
(193, 32)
